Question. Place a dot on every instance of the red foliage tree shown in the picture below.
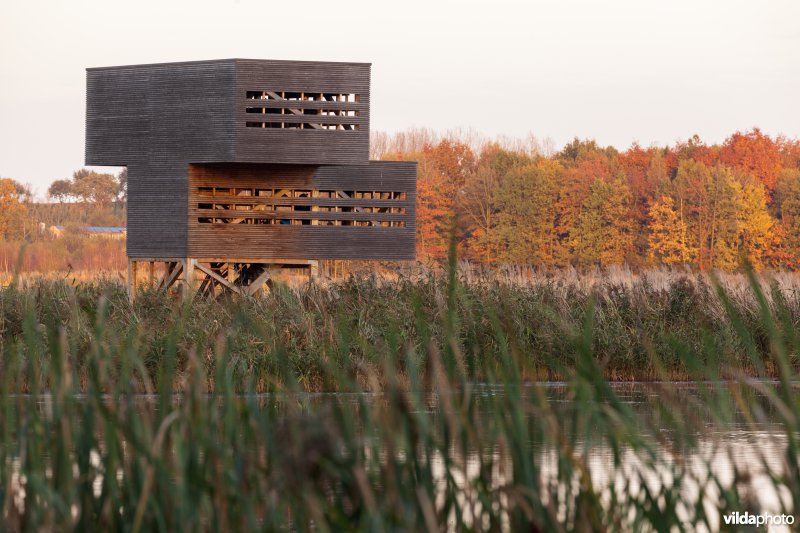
(443, 170)
(790, 150)
(756, 154)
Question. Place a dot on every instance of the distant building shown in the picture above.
(107, 232)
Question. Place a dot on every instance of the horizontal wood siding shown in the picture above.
(117, 117)
(306, 146)
(161, 120)
(306, 241)
(160, 113)
(156, 218)
(154, 119)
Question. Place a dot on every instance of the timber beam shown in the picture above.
(208, 277)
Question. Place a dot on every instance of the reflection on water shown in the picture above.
(726, 437)
(729, 446)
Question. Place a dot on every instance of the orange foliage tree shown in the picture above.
(443, 171)
(12, 211)
(754, 153)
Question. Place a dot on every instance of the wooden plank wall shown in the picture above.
(157, 119)
(262, 241)
(154, 119)
(306, 146)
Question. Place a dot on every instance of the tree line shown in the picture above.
(87, 198)
(692, 204)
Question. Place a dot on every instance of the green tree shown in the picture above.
(725, 207)
(478, 203)
(604, 232)
(526, 201)
(580, 149)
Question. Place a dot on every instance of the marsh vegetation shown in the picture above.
(164, 415)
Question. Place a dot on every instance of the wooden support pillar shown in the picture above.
(130, 279)
(187, 289)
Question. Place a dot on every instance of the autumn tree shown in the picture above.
(657, 176)
(478, 201)
(755, 225)
(12, 210)
(645, 171)
(122, 185)
(60, 190)
(526, 213)
(790, 151)
(754, 153)
(710, 202)
(695, 203)
(603, 235)
(725, 206)
(692, 190)
(635, 163)
(478, 207)
(787, 202)
(584, 163)
(668, 235)
(443, 170)
(695, 149)
(785, 195)
(94, 187)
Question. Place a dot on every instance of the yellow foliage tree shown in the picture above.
(667, 239)
(12, 211)
(755, 225)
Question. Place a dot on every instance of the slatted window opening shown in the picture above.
(303, 110)
(282, 206)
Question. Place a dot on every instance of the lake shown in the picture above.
(688, 441)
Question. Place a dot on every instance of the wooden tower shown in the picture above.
(236, 165)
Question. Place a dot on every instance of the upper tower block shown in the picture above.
(231, 111)
(310, 112)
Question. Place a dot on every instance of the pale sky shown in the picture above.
(617, 71)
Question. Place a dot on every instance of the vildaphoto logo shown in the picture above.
(758, 520)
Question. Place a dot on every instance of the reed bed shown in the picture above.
(169, 416)
(305, 328)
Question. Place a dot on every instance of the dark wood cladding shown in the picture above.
(160, 113)
(306, 241)
(157, 210)
(306, 146)
(162, 120)
(197, 112)
(154, 119)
